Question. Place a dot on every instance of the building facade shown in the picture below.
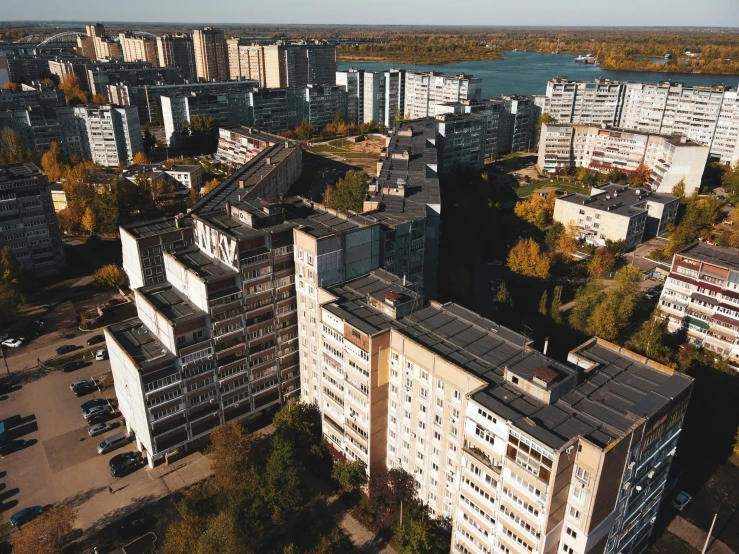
(616, 212)
(424, 90)
(670, 158)
(138, 48)
(177, 51)
(29, 227)
(211, 56)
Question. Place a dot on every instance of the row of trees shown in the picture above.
(338, 127)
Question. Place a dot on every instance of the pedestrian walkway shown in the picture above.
(696, 537)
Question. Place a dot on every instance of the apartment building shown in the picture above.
(461, 140)
(143, 245)
(138, 48)
(246, 61)
(277, 109)
(424, 90)
(187, 176)
(211, 56)
(97, 45)
(405, 200)
(670, 158)
(38, 127)
(617, 212)
(386, 91)
(101, 76)
(706, 115)
(701, 297)
(519, 123)
(223, 109)
(32, 97)
(147, 98)
(177, 51)
(29, 226)
(322, 102)
(297, 64)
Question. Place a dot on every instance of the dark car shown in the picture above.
(94, 402)
(101, 418)
(115, 301)
(73, 366)
(126, 466)
(25, 515)
(118, 459)
(97, 339)
(66, 348)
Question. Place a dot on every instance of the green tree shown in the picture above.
(543, 303)
(338, 118)
(556, 304)
(106, 206)
(299, 424)
(349, 192)
(418, 534)
(305, 130)
(544, 119)
(351, 476)
(652, 338)
(679, 189)
(222, 535)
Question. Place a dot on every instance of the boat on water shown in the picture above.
(587, 59)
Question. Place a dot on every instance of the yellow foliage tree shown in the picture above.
(74, 94)
(89, 220)
(527, 259)
(48, 534)
(140, 158)
(537, 209)
(567, 242)
(110, 275)
(210, 185)
(99, 99)
(52, 162)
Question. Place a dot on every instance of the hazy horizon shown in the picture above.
(475, 13)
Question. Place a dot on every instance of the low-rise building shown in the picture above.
(701, 296)
(187, 176)
(670, 158)
(29, 226)
(616, 212)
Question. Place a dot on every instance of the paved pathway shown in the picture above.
(366, 540)
(696, 537)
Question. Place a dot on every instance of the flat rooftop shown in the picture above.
(11, 172)
(727, 258)
(172, 304)
(617, 199)
(205, 267)
(158, 226)
(140, 344)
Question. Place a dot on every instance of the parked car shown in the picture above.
(112, 442)
(101, 355)
(97, 339)
(101, 418)
(13, 343)
(25, 515)
(66, 348)
(127, 466)
(81, 384)
(97, 428)
(681, 500)
(95, 410)
(123, 456)
(73, 366)
(496, 263)
(94, 402)
(115, 301)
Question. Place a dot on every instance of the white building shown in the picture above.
(670, 158)
(424, 90)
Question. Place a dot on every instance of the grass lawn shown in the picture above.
(526, 190)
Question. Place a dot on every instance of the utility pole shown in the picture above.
(5, 359)
(708, 538)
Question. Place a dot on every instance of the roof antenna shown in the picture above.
(526, 331)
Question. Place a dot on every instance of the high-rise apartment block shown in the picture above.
(373, 96)
(138, 48)
(522, 115)
(706, 115)
(617, 212)
(224, 109)
(701, 297)
(29, 222)
(424, 90)
(99, 77)
(670, 158)
(290, 64)
(177, 51)
(211, 57)
(493, 112)
(99, 44)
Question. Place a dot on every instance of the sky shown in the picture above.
(719, 13)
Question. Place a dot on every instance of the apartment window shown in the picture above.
(437, 436)
(437, 419)
(575, 514)
(457, 395)
(567, 549)
(421, 425)
(439, 384)
(439, 403)
(581, 474)
(422, 392)
(570, 532)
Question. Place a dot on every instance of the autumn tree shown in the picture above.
(543, 302)
(11, 86)
(70, 85)
(210, 185)
(78, 188)
(13, 148)
(52, 162)
(537, 209)
(140, 158)
(229, 452)
(89, 220)
(110, 275)
(544, 119)
(47, 534)
(99, 99)
(679, 189)
(351, 476)
(182, 537)
(640, 176)
(305, 130)
(603, 261)
(526, 258)
(349, 192)
(503, 296)
(554, 310)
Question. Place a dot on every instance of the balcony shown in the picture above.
(239, 331)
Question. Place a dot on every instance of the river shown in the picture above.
(528, 73)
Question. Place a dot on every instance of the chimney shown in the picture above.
(228, 208)
(546, 346)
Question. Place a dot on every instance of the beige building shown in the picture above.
(177, 51)
(211, 57)
(138, 48)
(670, 158)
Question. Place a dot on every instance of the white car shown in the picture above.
(13, 343)
(681, 500)
(98, 428)
(101, 355)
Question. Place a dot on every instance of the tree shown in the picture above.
(106, 206)
(150, 141)
(419, 534)
(651, 339)
(47, 534)
(222, 535)
(52, 162)
(210, 185)
(554, 309)
(603, 261)
(65, 220)
(679, 189)
(640, 176)
(11, 86)
(182, 537)
(13, 149)
(350, 475)
(140, 158)
(527, 259)
(338, 118)
(10, 269)
(503, 296)
(89, 221)
(305, 130)
(537, 209)
(544, 119)
(73, 93)
(543, 303)
(78, 189)
(229, 450)
(99, 99)
(299, 425)
(110, 275)
(349, 192)
(566, 243)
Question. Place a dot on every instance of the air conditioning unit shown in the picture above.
(236, 405)
(626, 486)
(213, 400)
(651, 474)
(631, 465)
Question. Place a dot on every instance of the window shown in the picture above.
(574, 513)
(439, 403)
(567, 549)
(457, 395)
(570, 532)
(581, 474)
(439, 384)
(437, 419)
